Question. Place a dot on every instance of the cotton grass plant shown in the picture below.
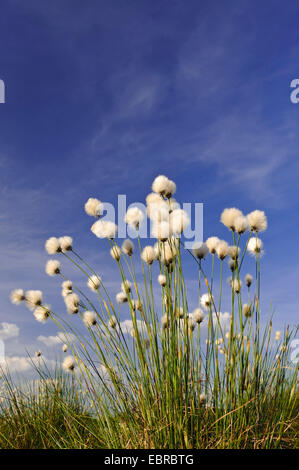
(167, 377)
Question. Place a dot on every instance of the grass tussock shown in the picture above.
(144, 371)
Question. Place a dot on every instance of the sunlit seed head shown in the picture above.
(202, 398)
(277, 335)
(161, 231)
(64, 348)
(173, 205)
(112, 323)
(198, 315)
(179, 312)
(148, 255)
(191, 324)
(232, 264)
(93, 207)
(126, 286)
(121, 298)
(255, 246)
(248, 280)
(128, 247)
(67, 285)
(212, 243)
(137, 305)
(33, 298)
(234, 252)
(158, 212)
(165, 322)
(162, 280)
(89, 318)
(115, 252)
(283, 348)
(167, 254)
(66, 243)
(200, 250)
(94, 282)
(42, 313)
(153, 198)
(236, 285)
(163, 186)
(246, 310)
(134, 217)
(229, 216)
(52, 246)
(179, 221)
(104, 229)
(241, 224)
(17, 296)
(257, 221)
(72, 303)
(68, 364)
(38, 353)
(206, 301)
(222, 250)
(52, 267)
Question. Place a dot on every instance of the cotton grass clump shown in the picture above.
(164, 377)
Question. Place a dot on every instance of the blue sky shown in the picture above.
(101, 96)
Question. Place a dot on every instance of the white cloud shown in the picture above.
(127, 325)
(57, 339)
(15, 364)
(8, 330)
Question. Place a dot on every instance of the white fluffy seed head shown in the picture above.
(112, 323)
(162, 280)
(52, 267)
(212, 243)
(161, 231)
(200, 250)
(222, 250)
(64, 348)
(179, 312)
(67, 285)
(104, 229)
(52, 246)
(148, 255)
(115, 252)
(165, 322)
(158, 212)
(89, 318)
(168, 253)
(246, 310)
(17, 296)
(255, 246)
(68, 364)
(277, 335)
(41, 313)
(134, 217)
(94, 282)
(234, 252)
(202, 398)
(93, 207)
(153, 198)
(137, 305)
(229, 216)
(163, 186)
(66, 243)
(126, 286)
(179, 221)
(241, 224)
(257, 221)
(206, 301)
(38, 353)
(236, 285)
(232, 264)
(128, 247)
(248, 280)
(198, 315)
(72, 303)
(121, 298)
(33, 298)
